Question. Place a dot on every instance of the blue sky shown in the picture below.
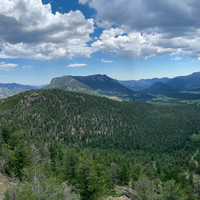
(124, 39)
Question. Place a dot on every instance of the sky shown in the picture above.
(124, 39)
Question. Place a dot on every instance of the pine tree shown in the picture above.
(21, 154)
(124, 175)
(172, 191)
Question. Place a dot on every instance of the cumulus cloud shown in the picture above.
(7, 66)
(133, 29)
(121, 42)
(106, 61)
(143, 14)
(76, 65)
(29, 29)
(82, 1)
(146, 28)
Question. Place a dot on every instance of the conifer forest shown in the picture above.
(61, 145)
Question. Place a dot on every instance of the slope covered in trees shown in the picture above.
(94, 143)
(100, 85)
(90, 121)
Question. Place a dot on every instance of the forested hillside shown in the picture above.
(95, 143)
(100, 85)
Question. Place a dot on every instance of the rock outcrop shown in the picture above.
(3, 179)
(131, 194)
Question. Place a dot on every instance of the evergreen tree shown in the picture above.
(124, 175)
(190, 180)
(197, 170)
(70, 160)
(192, 166)
(87, 182)
(145, 189)
(21, 154)
(171, 191)
(183, 180)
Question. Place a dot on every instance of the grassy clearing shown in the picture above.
(191, 92)
(114, 98)
(163, 98)
(197, 101)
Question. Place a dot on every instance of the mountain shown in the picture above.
(189, 82)
(179, 83)
(153, 87)
(9, 89)
(88, 121)
(192, 80)
(101, 85)
(142, 84)
(161, 88)
(166, 89)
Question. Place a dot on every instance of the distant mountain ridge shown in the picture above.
(98, 84)
(102, 85)
(10, 89)
(142, 83)
(153, 87)
(181, 83)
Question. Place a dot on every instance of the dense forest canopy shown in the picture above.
(86, 145)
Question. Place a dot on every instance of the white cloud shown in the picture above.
(27, 67)
(123, 42)
(76, 65)
(147, 28)
(29, 29)
(82, 1)
(7, 66)
(177, 58)
(171, 16)
(106, 61)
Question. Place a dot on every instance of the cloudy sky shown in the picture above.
(125, 39)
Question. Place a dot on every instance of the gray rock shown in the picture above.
(130, 194)
(3, 179)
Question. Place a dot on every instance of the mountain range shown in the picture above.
(179, 83)
(142, 83)
(9, 89)
(100, 85)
